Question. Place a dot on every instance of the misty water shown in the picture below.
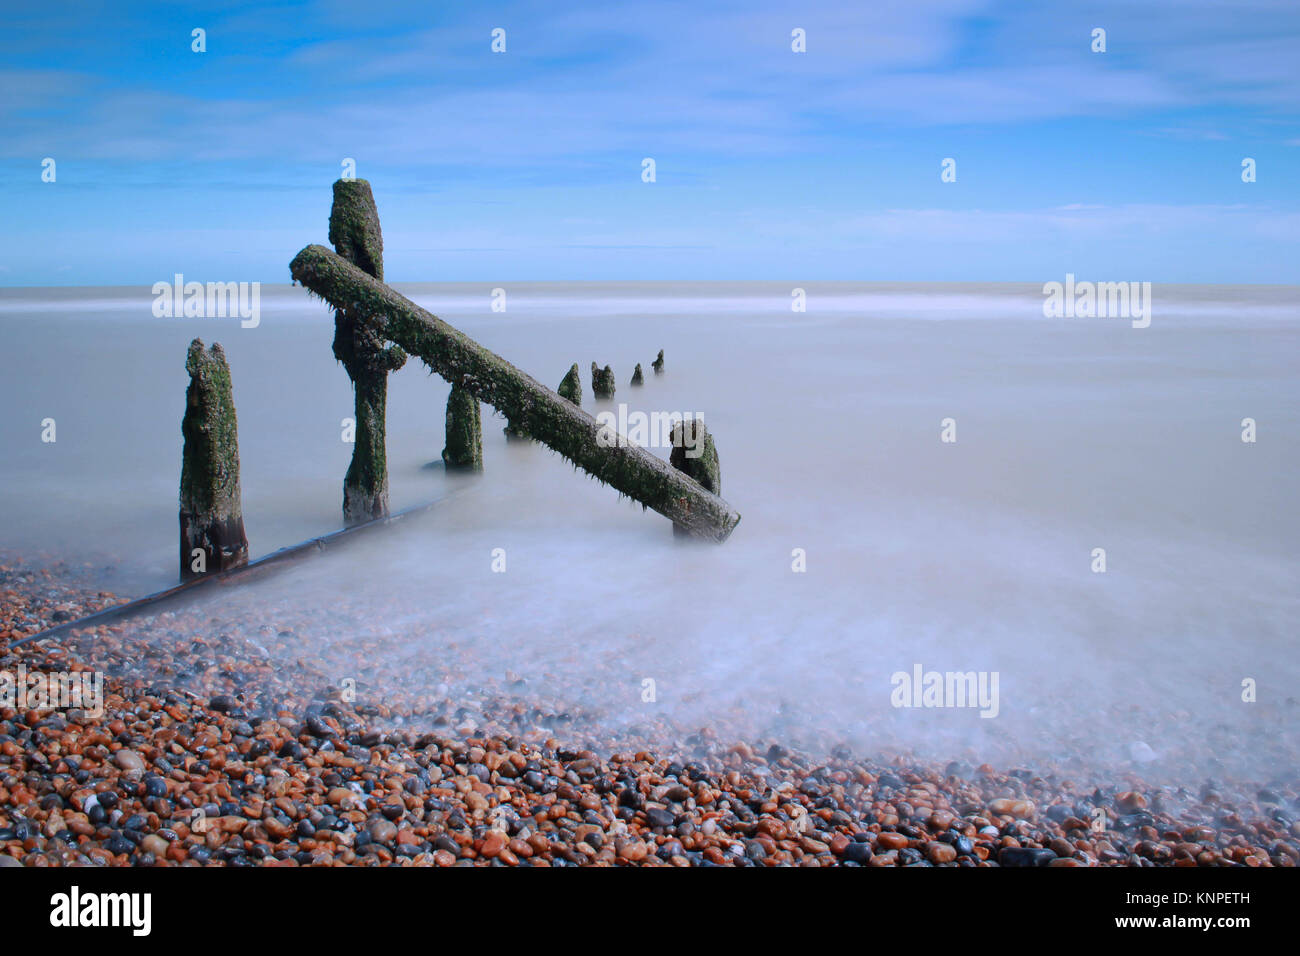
(973, 555)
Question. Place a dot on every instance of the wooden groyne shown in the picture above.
(526, 403)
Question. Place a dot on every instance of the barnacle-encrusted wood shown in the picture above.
(552, 420)
(212, 519)
(360, 346)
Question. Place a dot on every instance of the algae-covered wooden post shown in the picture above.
(658, 363)
(552, 420)
(464, 448)
(359, 345)
(637, 377)
(571, 386)
(695, 455)
(211, 515)
(602, 381)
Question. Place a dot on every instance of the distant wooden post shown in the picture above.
(360, 346)
(602, 381)
(571, 386)
(212, 519)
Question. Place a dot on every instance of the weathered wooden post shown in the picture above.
(359, 345)
(658, 363)
(211, 514)
(694, 455)
(637, 377)
(571, 386)
(464, 448)
(544, 415)
(602, 381)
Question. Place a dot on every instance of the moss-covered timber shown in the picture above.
(637, 377)
(211, 513)
(695, 455)
(464, 448)
(571, 386)
(359, 345)
(546, 416)
(658, 363)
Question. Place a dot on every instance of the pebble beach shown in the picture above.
(222, 745)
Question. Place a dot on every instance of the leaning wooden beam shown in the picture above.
(547, 417)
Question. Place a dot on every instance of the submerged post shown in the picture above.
(552, 420)
(637, 377)
(211, 515)
(602, 381)
(571, 386)
(358, 344)
(464, 432)
(658, 363)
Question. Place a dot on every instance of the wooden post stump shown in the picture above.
(571, 386)
(464, 432)
(211, 514)
(602, 381)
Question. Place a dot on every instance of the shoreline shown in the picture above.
(242, 767)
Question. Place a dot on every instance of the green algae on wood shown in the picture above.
(658, 363)
(525, 402)
(637, 377)
(571, 386)
(464, 448)
(514, 433)
(360, 346)
(211, 513)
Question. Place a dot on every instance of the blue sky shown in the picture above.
(770, 164)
